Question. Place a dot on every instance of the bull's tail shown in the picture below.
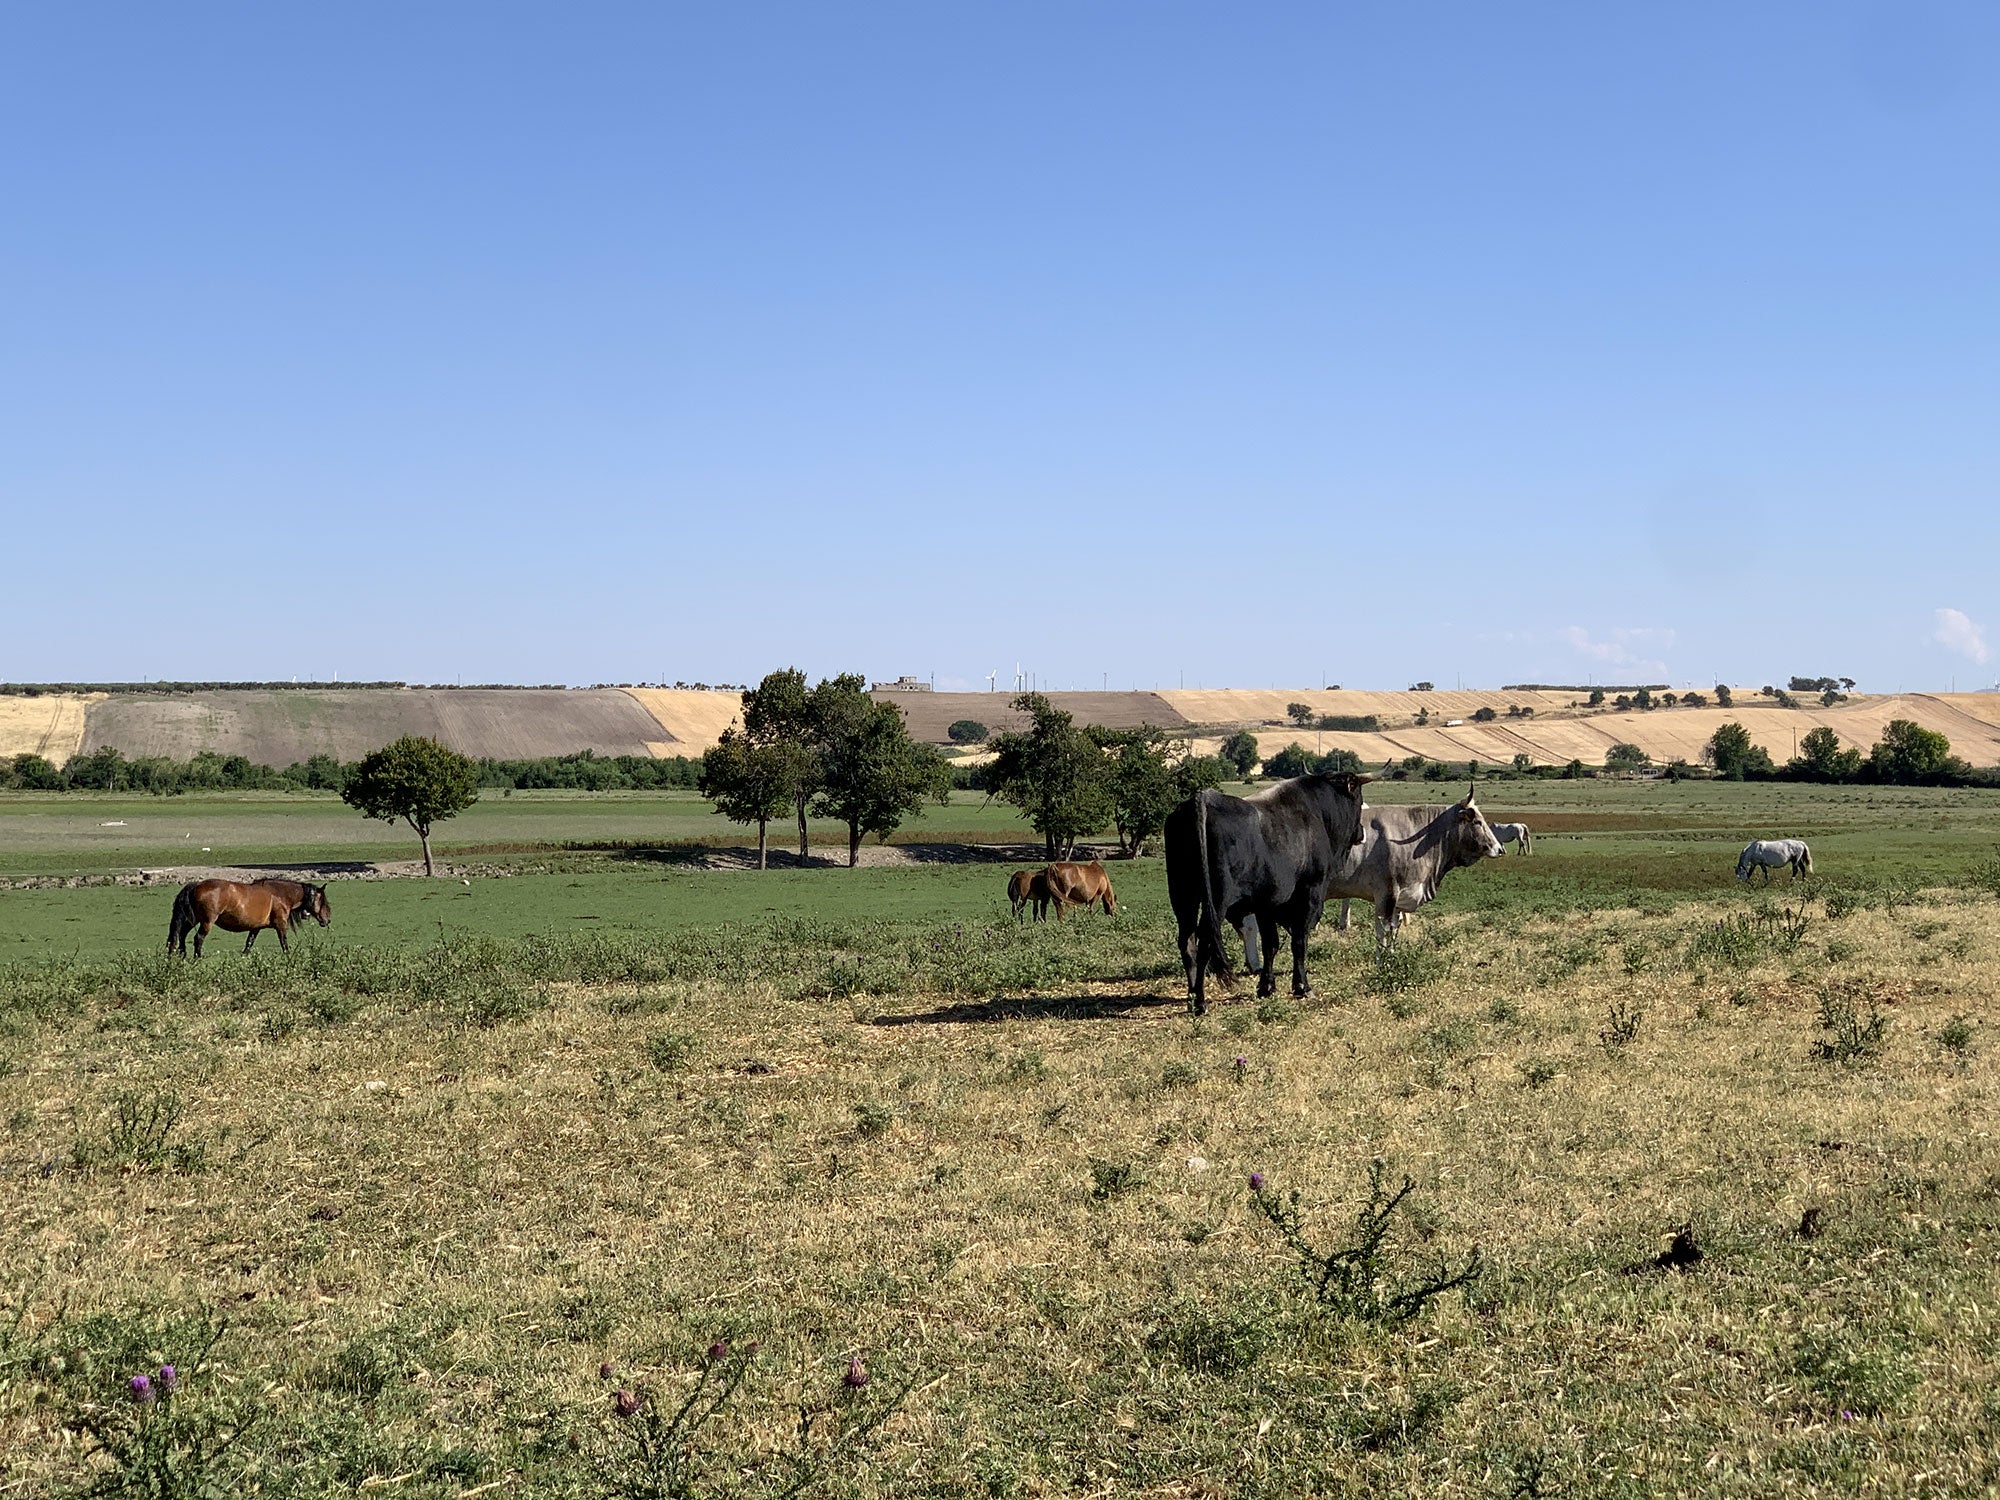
(1211, 908)
(184, 920)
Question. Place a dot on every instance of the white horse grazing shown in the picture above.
(1514, 833)
(1768, 854)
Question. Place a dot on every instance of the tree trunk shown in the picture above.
(763, 831)
(853, 845)
(1049, 846)
(803, 850)
(425, 835)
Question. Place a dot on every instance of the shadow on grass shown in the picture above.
(1035, 1008)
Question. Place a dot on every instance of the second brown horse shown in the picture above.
(1079, 883)
(236, 907)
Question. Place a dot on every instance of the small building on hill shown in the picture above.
(901, 685)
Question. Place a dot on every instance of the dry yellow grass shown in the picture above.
(429, 1235)
(693, 721)
(50, 726)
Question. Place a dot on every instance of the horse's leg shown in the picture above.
(1341, 925)
(201, 935)
(278, 927)
(251, 939)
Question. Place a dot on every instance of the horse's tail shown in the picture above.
(1211, 909)
(1805, 858)
(184, 919)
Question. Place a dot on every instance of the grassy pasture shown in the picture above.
(430, 1185)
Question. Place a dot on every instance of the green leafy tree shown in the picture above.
(779, 713)
(1733, 755)
(1300, 714)
(1335, 761)
(1910, 755)
(1643, 699)
(417, 780)
(1596, 697)
(1820, 758)
(1053, 773)
(1574, 771)
(967, 732)
(872, 775)
(1693, 700)
(1522, 764)
(1240, 750)
(32, 773)
(1293, 760)
(1722, 698)
(1626, 757)
(1142, 778)
(103, 770)
(749, 782)
(1198, 773)
(1484, 714)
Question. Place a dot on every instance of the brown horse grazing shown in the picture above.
(1029, 885)
(1080, 883)
(235, 907)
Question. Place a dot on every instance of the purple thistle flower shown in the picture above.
(718, 1349)
(1256, 1182)
(142, 1390)
(1242, 1062)
(169, 1379)
(856, 1377)
(625, 1404)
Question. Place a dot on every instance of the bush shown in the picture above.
(1362, 1276)
(1850, 1035)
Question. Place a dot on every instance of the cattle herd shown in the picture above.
(1269, 863)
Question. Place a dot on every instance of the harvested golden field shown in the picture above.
(50, 725)
(1559, 736)
(692, 721)
(387, 1220)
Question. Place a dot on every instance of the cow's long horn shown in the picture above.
(1362, 778)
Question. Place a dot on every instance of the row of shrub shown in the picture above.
(109, 770)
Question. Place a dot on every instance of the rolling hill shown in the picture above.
(279, 727)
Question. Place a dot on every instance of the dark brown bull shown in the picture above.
(1029, 885)
(235, 907)
(1080, 883)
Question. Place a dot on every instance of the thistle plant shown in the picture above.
(1361, 1277)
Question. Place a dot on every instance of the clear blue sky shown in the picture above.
(599, 343)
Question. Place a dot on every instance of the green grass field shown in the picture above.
(607, 861)
(389, 1202)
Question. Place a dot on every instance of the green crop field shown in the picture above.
(389, 1202)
